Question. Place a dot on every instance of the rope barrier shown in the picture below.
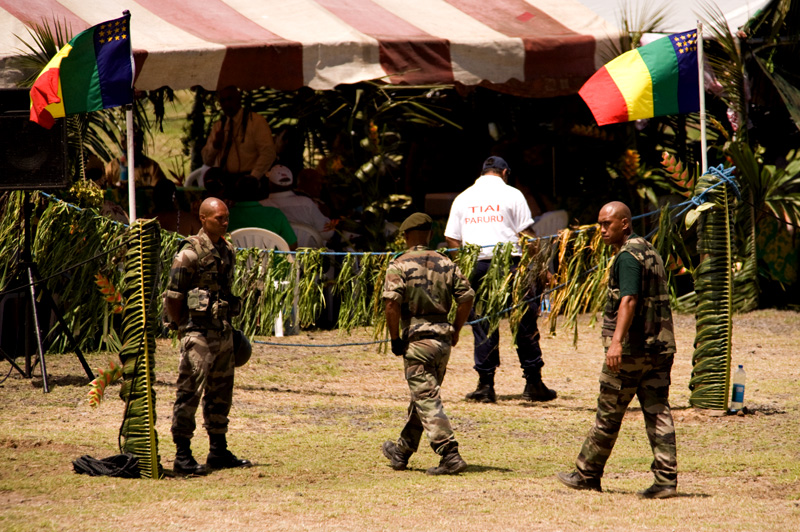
(724, 174)
(65, 270)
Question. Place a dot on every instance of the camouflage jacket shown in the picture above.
(651, 329)
(201, 277)
(425, 283)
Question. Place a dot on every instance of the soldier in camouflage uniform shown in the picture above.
(419, 289)
(199, 304)
(640, 347)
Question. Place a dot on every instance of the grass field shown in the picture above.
(313, 419)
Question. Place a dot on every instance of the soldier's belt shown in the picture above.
(428, 319)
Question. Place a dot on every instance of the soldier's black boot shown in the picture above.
(535, 389)
(219, 457)
(484, 393)
(577, 481)
(397, 457)
(184, 463)
(451, 462)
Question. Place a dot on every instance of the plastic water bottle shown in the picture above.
(737, 397)
(544, 309)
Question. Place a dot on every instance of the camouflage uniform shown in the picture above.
(425, 283)
(647, 355)
(201, 277)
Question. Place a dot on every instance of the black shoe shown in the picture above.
(185, 464)
(484, 393)
(219, 457)
(450, 464)
(398, 459)
(188, 467)
(575, 481)
(535, 389)
(225, 460)
(658, 492)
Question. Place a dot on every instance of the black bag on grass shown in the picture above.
(120, 465)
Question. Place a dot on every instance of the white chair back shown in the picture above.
(550, 223)
(307, 236)
(255, 237)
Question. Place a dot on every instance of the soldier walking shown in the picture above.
(640, 347)
(419, 289)
(199, 304)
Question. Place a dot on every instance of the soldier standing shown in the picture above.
(419, 289)
(640, 347)
(199, 304)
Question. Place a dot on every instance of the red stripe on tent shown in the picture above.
(139, 57)
(28, 11)
(604, 99)
(557, 61)
(255, 56)
(414, 55)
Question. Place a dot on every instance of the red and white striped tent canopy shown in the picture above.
(537, 48)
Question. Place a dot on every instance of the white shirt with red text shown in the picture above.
(488, 212)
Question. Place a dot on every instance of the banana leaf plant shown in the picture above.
(714, 285)
(141, 289)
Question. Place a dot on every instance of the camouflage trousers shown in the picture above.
(425, 364)
(206, 370)
(647, 376)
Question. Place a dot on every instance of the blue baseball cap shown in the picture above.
(494, 162)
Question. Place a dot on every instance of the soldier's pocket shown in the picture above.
(609, 380)
(198, 300)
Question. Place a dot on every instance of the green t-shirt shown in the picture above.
(628, 272)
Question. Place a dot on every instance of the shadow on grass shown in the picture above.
(64, 380)
(471, 468)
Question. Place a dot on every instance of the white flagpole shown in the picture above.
(130, 148)
(702, 89)
(131, 166)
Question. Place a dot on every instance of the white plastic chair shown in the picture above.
(255, 237)
(195, 179)
(307, 236)
(550, 223)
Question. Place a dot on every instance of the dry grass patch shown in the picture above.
(313, 420)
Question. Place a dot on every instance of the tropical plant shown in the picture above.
(138, 434)
(713, 281)
(582, 275)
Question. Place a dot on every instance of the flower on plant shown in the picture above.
(99, 384)
(110, 292)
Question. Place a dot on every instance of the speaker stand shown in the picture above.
(28, 273)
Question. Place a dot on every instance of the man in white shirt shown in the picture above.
(489, 212)
(298, 209)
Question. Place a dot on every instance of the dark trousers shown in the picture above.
(487, 350)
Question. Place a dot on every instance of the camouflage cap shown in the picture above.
(419, 221)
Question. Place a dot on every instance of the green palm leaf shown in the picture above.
(141, 285)
(714, 286)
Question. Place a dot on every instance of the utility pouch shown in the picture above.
(198, 300)
(219, 309)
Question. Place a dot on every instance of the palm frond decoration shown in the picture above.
(466, 259)
(583, 263)
(494, 293)
(311, 296)
(714, 285)
(138, 432)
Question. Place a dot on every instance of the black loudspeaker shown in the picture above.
(31, 157)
